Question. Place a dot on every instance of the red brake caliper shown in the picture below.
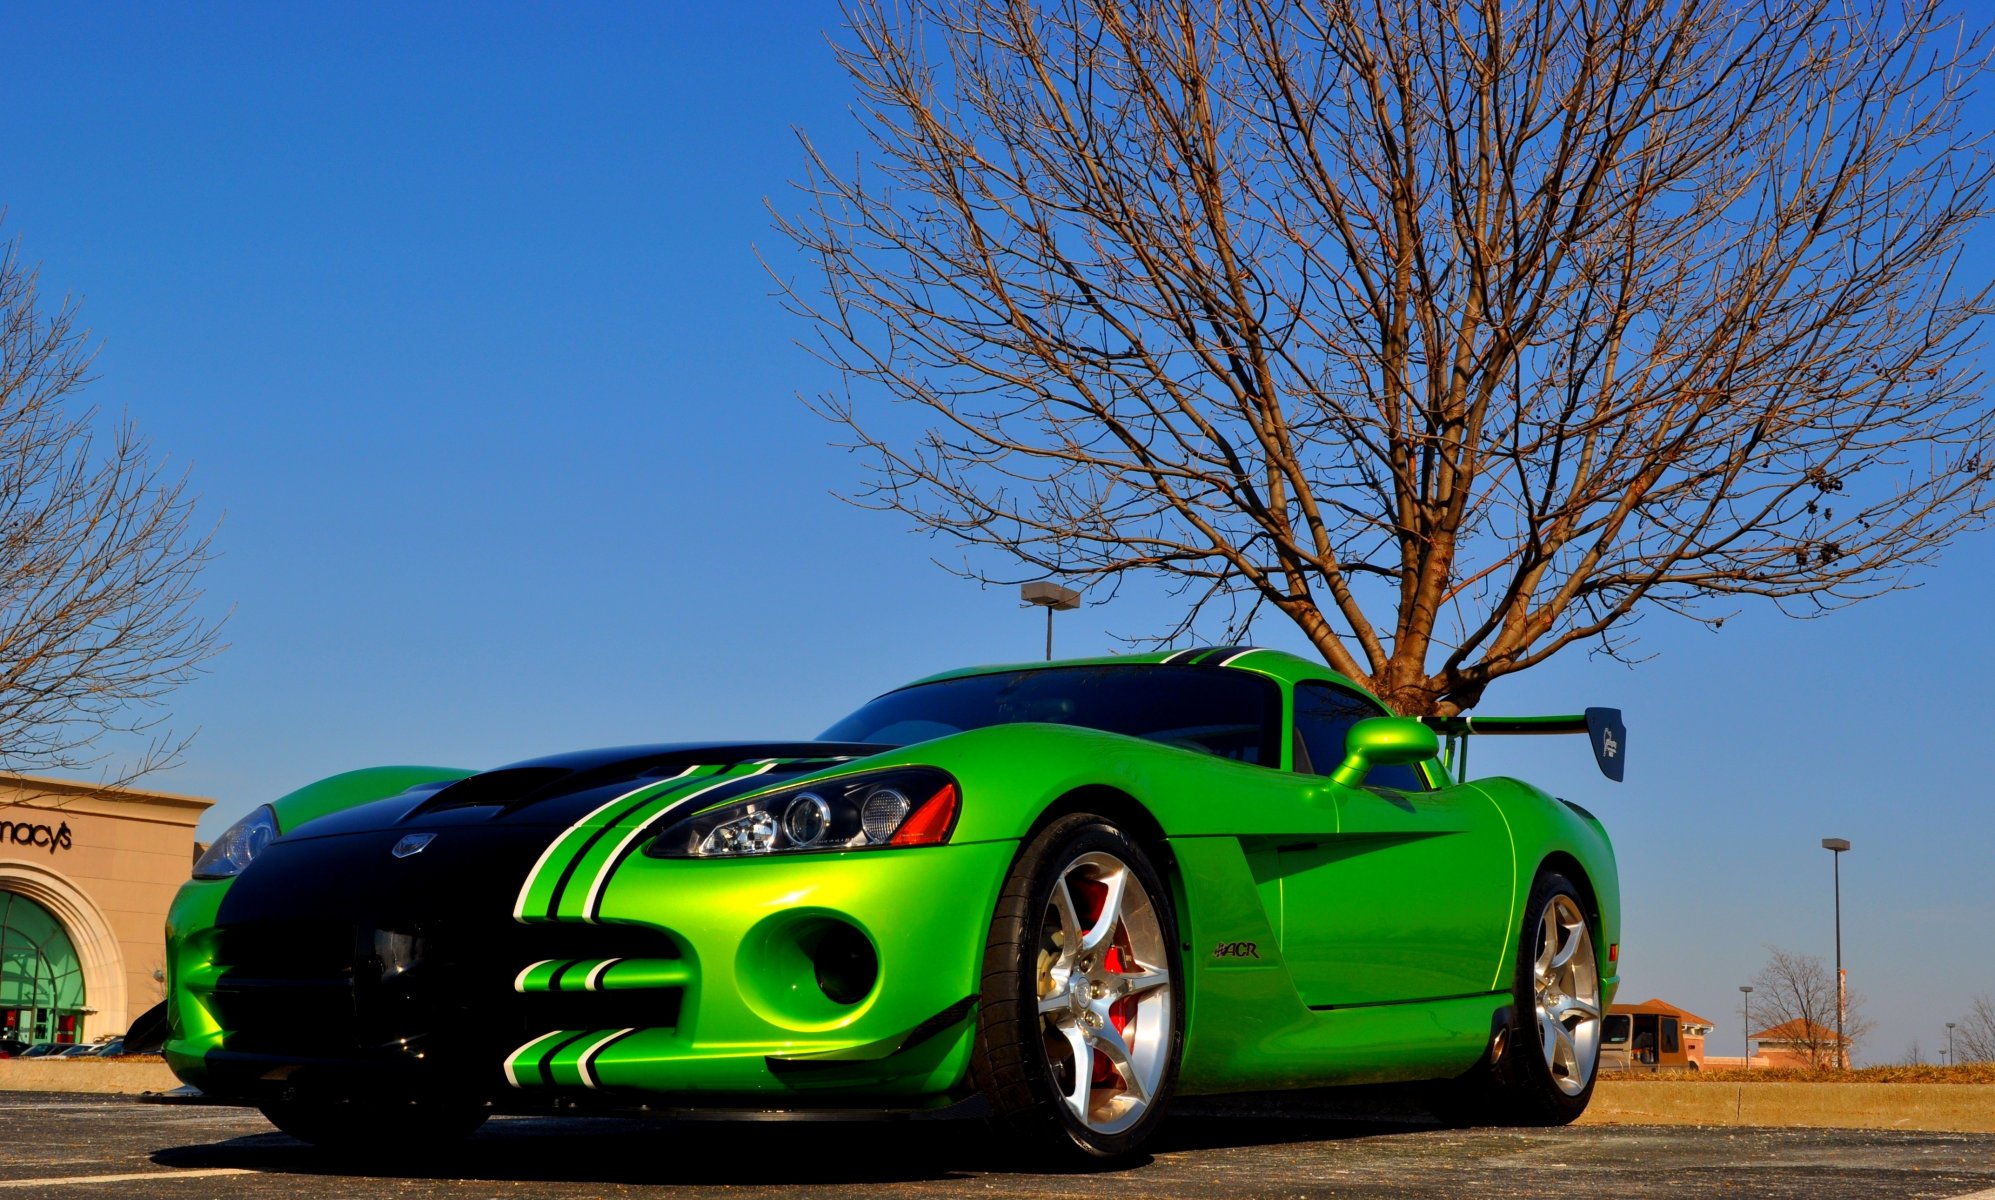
(1094, 895)
(1122, 1010)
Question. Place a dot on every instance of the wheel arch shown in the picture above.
(1007, 1075)
(1140, 823)
(1569, 866)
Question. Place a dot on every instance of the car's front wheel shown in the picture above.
(1080, 1025)
(381, 1130)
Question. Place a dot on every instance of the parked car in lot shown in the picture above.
(1051, 893)
(110, 1049)
(45, 1049)
(12, 1047)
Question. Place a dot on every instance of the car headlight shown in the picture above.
(908, 806)
(244, 840)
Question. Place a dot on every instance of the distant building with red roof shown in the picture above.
(1797, 1043)
(1654, 1035)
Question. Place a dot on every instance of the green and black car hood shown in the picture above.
(562, 789)
(485, 832)
(338, 933)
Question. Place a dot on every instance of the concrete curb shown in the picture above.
(104, 1076)
(1946, 1107)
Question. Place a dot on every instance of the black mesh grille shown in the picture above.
(323, 989)
(316, 950)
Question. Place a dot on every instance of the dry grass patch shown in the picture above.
(1970, 1073)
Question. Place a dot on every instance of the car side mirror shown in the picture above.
(1383, 742)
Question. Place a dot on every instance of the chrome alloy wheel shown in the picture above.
(1104, 992)
(1568, 987)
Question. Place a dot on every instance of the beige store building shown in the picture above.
(86, 875)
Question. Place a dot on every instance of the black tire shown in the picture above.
(1011, 1063)
(1517, 1087)
(384, 1130)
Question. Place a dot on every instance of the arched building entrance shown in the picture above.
(41, 978)
(86, 876)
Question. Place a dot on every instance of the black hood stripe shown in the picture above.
(596, 836)
(764, 775)
(519, 906)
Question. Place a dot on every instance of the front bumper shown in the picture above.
(810, 981)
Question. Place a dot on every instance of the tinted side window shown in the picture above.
(1324, 714)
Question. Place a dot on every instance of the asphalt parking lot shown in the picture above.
(76, 1146)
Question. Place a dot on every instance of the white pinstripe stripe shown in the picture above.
(595, 976)
(519, 980)
(1230, 659)
(602, 877)
(587, 1063)
(519, 905)
(513, 1078)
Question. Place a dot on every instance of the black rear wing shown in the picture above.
(1602, 727)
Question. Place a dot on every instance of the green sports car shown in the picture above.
(1051, 894)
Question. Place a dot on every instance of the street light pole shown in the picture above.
(1949, 1043)
(1749, 1025)
(1053, 598)
(1835, 847)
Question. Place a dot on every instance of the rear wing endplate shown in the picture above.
(1602, 727)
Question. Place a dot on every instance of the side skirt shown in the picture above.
(1360, 1044)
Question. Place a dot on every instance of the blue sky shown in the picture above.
(460, 327)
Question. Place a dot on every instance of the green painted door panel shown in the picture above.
(1409, 901)
(1247, 1027)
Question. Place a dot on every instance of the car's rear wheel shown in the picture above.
(1543, 1069)
(378, 1130)
(1080, 1025)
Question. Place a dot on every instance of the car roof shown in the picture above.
(1276, 664)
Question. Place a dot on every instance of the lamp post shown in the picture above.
(1835, 847)
(1949, 1043)
(1053, 598)
(1749, 1024)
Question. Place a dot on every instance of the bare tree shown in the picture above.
(1457, 334)
(98, 559)
(1796, 994)
(1974, 1039)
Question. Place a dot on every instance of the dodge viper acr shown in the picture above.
(1054, 894)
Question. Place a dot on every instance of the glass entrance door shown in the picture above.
(41, 979)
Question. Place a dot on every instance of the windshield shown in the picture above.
(1233, 714)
